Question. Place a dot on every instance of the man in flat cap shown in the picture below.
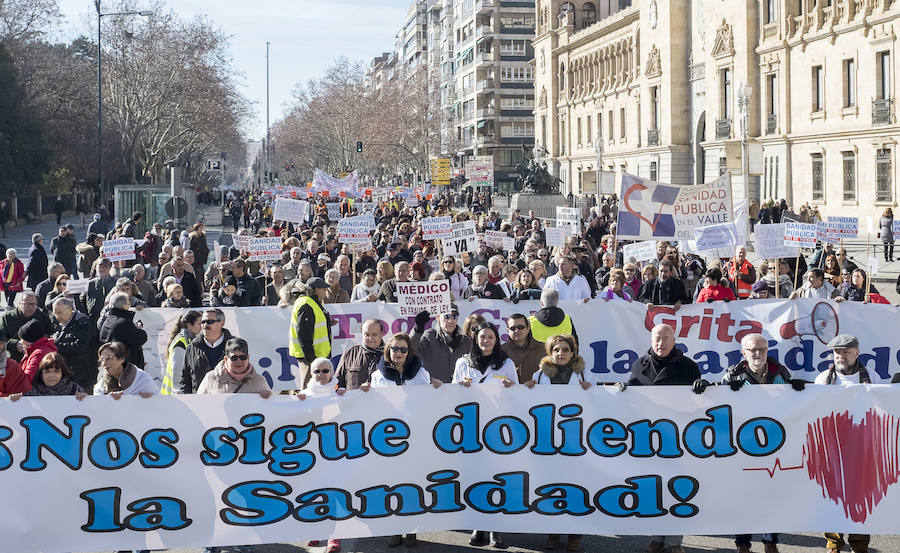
(845, 370)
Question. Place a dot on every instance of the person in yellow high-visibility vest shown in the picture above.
(186, 329)
(550, 320)
(310, 333)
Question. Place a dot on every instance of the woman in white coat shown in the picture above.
(562, 365)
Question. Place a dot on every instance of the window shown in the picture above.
(883, 76)
(653, 171)
(818, 89)
(818, 178)
(512, 47)
(578, 134)
(883, 176)
(516, 74)
(543, 130)
(849, 176)
(725, 107)
(654, 107)
(588, 134)
(562, 78)
(771, 94)
(769, 11)
(609, 120)
(517, 22)
(516, 103)
(562, 138)
(621, 122)
(589, 15)
(849, 83)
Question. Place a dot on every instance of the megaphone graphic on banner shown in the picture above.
(821, 323)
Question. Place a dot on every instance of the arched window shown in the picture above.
(567, 13)
(588, 14)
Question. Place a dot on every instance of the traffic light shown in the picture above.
(359, 147)
(276, 176)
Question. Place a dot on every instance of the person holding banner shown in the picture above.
(235, 374)
(310, 332)
(713, 289)
(12, 379)
(118, 377)
(616, 288)
(665, 289)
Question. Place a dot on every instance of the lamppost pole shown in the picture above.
(100, 16)
(744, 94)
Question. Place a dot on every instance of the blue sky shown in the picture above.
(306, 35)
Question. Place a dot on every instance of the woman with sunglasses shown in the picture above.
(400, 366)
(235, 374)
(54, 378)
(59, 289)
(487, 363)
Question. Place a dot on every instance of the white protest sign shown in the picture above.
(434, 228)
(120, 249)
(75, 287)
(556, 236)
(241, 242)
(844, 227)
(217, 250)
(264, 249)
(432, 296)
(435, 264)
(713, 237)
(569, 216)
(895, 228)
(353, 230)
(293, 211)
(873, 266)
(800, 235)
(770, 242)
(825, 233)
(494, 238)
(360, 247)
(381, 194)
(464, 239)
(509, 243)
(640, 251)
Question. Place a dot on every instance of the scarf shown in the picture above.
(563, 374)
(239, 377)
(378, 350)
(449, 340)
(314, 389)
(409, 371)
(658, 363)
(8, 271)
(65, 387)
(125, 380)
(483, 362)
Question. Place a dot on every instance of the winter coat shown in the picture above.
(218, 381)
(201, 250)
(776, 373)
(12, 320)
(440, 352)
(549, 369)
(119, 327)
(16, 280)
(95, 297)
(34, 354)
(356, 366)
(466, 370)
(674, 370)
(77, 343)
(138, 382)
(526, 359)
(14, 381)
(88, 254)
(386, 376)
(63, 250)
(37, 266)
(887, 229)
(196, 365)
(669, 292)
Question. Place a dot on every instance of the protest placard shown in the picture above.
(825, 233)
(800, 235)
(264, 249)
(360, 247)
(895, 228)
(353, 230)
(640, 251)
(556, 236)
(873, 266)
(293, 211)
(494, 238)
(509, 243)
(844, 227)
(75, 287)
(569, 216)
(241, 242)
(432, 296)
(434, 228)
(334, 212)
(464, 239)
(120, 249)
(770, 242)
(712, 237)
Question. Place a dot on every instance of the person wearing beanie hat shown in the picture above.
(759, 290)
(33, 336)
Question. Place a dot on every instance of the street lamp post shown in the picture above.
(744, 93)
(100, 16)
(598, 149)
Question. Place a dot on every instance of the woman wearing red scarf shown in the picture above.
(12, 276)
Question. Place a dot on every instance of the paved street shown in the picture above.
(457, 542)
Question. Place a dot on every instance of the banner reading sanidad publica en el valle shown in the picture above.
(612, 335)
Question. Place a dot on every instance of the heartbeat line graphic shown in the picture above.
(853, 463)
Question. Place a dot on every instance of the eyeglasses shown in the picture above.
(237, 357)
(209, 321)
(514, 328)
(321, 371)
(757, 350)
(399, 349)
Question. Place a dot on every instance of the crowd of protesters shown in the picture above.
(56, 343)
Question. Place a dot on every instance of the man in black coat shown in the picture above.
(98, 288)
(63, 249)
(252, 289)
(119, 326)
(665, 289)
(44, 288)
(189, 283)
(665, 365)
(37, 262)
(76, 341)
(204, 352)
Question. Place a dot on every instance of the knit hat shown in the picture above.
(759, 286)
(31, 331)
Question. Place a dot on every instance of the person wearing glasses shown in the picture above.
(524, 350)
(442, 345)
(458, 281)
(234, 373)
(118, 377)
(205, 351)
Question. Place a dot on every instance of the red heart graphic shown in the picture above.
(854, 463)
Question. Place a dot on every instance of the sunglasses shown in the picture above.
(209, 322)
(322, 371)
(450, 316)
(238, 357)
(517, 327)
(400, 349)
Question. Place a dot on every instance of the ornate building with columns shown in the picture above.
(652, 87)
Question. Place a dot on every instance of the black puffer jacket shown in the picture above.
(673, 370)
(77, 343)
(119, 327)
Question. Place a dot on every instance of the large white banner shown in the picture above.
(612, 334)
(218, 470)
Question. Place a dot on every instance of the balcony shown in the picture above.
(652, 137)
(771, 123)
(484, 6)
(484, 31)
(485, 57)
(484, 113)
(484, 140)
(882, 109)
(723, 129)
(486, 85)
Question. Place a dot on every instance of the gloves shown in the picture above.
(797, 384)
(621, 386)
(709, 300)
(700, 386)
(422, 318)
(514, 300)
(736, 385)
(726, 300)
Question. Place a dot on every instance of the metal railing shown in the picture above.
(882, 109)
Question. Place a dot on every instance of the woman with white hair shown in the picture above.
(335, 294)
(12, 276)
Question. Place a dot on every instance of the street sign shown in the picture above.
(440, 171)
(480, 171)
(214, 165)
(176, 207)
